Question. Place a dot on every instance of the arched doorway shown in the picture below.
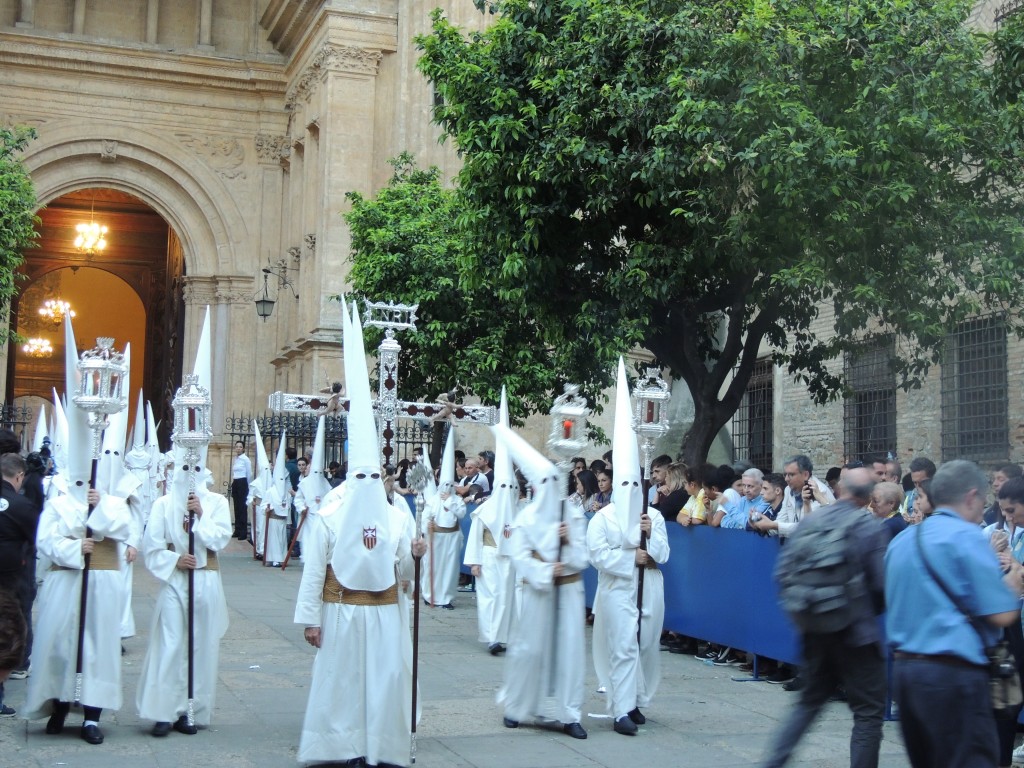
(130, 290)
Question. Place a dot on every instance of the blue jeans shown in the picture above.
(829, 663)
(945, 714)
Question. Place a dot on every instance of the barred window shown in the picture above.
(869, 409)
(753, 422)
(975, 408)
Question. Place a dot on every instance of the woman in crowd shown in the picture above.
(604, 490)
(586, 491)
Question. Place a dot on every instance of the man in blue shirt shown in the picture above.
(940, 674)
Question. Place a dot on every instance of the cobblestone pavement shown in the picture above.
(700, 717)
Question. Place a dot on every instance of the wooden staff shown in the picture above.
(295, 538)
(646, 485)
(84, 597)
(554, 615)
(191, 711)
(416, 648)
(430, 526)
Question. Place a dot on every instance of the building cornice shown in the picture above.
(140, 62)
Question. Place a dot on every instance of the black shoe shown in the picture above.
(625, 726)
(637, 716)
(91, 734)
(259, 557)
(496, 648)
(181, 726)
(55, 724)
(575, 730)
(449, 606)
(161, 729)
(795, 684)
(781, 675)
(508, 722)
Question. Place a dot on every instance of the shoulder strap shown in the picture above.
(942, 585)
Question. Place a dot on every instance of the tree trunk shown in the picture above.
(699, 438)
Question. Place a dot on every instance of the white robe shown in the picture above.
(360, 695)
(162, 694)
(630, 673)
(275, 513)
(495, 586)
(441, 563)
(257, 500)
(131, 490)
(55, 648)
(530, 667)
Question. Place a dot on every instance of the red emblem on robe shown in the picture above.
(507, 531)
(370, 537)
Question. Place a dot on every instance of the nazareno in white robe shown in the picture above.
(258, 502)
(55, 647)
(495, 586)
(276, 522)
(443, 549)
(360, 695)
(162, 694)
(629, 673)
(533, 662)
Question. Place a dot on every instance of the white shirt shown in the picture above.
(241, 467)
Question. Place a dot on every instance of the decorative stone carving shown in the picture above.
(199, 291)
(225, 156)
(310, 241)
(108, 151)
(333, 58)
(9, 121)
(271, 148)
(295, 252)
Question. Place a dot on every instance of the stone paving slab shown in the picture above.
(700, 717)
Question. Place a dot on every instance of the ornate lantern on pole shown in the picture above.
(650, 413)
(101, 378)
(102, 371)
(192, 432)
(568, 436)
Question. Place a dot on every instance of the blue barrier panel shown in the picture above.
(719, 587)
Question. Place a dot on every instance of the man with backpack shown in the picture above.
(831, 583)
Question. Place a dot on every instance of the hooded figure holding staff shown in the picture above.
(77, 646)
(163, 694)
(357, 550)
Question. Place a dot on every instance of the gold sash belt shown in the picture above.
(104, 557)
(560, 581)
(489, 538)
(334, 592)
(441, 529)
(212, 563)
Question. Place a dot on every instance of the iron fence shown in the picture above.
(17, 418)
(753, 424)
(869, 412)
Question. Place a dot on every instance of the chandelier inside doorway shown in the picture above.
(55, 310)
(38, 347)
(91, 234)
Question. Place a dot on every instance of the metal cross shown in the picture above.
(387, 406)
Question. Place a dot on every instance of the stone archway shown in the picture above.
(189, 194)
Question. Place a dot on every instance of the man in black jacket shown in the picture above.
(19, 519)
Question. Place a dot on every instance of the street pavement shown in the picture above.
(701, 716)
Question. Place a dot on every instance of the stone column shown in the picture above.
(78, 22)
(26, 15)
(152, 20)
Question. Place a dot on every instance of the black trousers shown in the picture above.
(829, 663)
(945, 714)
(239, 494)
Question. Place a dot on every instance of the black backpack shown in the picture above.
(821, 586)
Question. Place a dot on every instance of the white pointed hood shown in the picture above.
(79, 437)
(202, 370)
(540, 519)
(314, 485)
(110, 468)
(498, 511)
(431, 487)
(280, 482)
(138, 455)
(59, 436)
(446, 479)
(156, 459)
(264, 476)
(40, 433)
(627, 490)
(364, 555)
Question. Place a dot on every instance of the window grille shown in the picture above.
(975, 407)
(869, 409)
(753, 422)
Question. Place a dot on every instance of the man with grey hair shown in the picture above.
(805, 494)
(947, 602)
(851, 655)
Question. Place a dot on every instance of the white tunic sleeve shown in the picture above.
(605, 545)
(316, 554)
(657, 542)
(475, 543)
(159, 560)
(54, 539)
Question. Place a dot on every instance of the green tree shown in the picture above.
(707, 180)
(17, 213)
(405, 248)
